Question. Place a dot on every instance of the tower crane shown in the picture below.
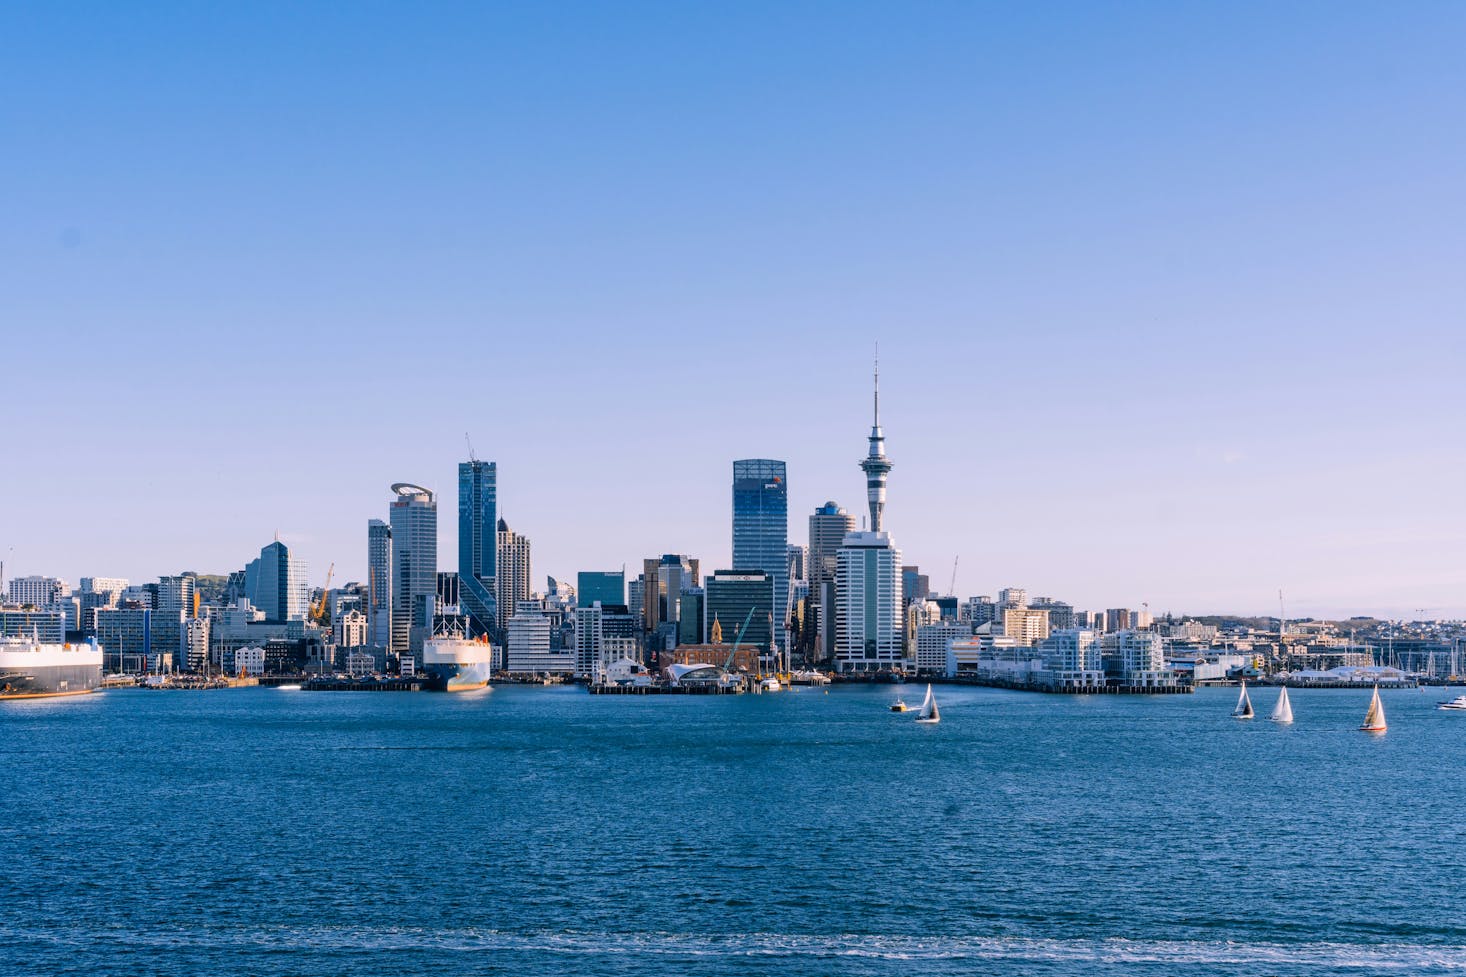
(318, 613)
(952, 590)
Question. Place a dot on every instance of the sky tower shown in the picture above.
(875, 464)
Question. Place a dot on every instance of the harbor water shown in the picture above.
(544, 831)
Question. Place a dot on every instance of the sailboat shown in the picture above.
(929, 713)
(1283, 711)
(1244, 705)
(1374, 719)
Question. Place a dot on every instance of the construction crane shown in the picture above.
(318, 613)
(737, 639)
(471, 457)
(952, 590)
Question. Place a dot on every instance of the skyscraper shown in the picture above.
(868, 618)
(512, 582)
(828, 528)
(761, 526)
(742, 599)
(414, 522)
(275, 583)
(379, 584)
(478, 549)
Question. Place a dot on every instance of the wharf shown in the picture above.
(363, 685)
(1107, 689)
(664, 689)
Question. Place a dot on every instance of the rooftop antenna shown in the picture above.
(471, 458)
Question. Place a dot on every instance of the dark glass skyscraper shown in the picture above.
(761, 525)
(478, 547)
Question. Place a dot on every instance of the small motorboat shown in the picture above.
(1453, 704)
(288, 688)
(900, 706)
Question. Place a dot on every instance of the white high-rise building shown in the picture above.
(1072, 658)
(351, 629)
(1139, 657)
(512, 582)
(933, 642)
(1012, 597)
(38, 591)
(868, 618)
(587, 639)
(529, 646)
(196, 644)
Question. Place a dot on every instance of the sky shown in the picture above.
(1169, 297)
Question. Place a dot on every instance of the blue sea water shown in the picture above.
(545, 831)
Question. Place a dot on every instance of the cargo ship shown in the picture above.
(32, 669)
(454, 662)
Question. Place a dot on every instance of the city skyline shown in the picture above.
(1167, 303)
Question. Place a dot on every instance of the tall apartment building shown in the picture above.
(414, 521)
(513, 583)
(828, 528)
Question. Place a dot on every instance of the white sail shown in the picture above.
(1374, 719)
(1244, 705)
(1283, 711)
(929, 713)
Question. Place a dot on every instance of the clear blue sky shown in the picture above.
(1170, 296)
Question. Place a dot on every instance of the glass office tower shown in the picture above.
(478, 543)
(761, 525)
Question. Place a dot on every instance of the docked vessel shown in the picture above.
(454, 662)
(32, 669)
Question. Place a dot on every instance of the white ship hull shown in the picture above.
(32, 670)
(454, 664)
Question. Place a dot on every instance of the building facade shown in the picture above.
(605, 586)
(761, 525)
(478, 549)
(414, 522)
(734, 597)
(379, 584)
(828, 528)
(37, 591)
(512, 585)
(868, 604)
(275, 583)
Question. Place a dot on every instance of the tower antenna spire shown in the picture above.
(877, 417)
